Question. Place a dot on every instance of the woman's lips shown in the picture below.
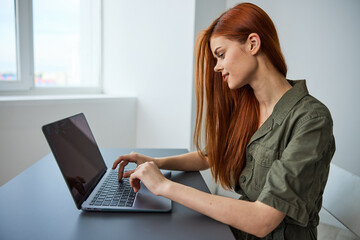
(225, 77)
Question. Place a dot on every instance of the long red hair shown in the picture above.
(231, 116)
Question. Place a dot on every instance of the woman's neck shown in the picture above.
(269, 86)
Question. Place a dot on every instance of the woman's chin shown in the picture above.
(233, 86)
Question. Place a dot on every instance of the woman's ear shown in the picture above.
(254, 43)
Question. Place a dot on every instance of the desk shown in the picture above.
(37, 205)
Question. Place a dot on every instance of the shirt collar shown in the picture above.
(282, 107)
(289, 99)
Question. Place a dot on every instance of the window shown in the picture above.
(7, 41)
(50, 46)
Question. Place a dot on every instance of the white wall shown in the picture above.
(23, 144)
(148, 53)
(320, 40)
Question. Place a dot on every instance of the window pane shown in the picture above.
(64, 43)
(7, 41)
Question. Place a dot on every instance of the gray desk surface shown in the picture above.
(37, 205)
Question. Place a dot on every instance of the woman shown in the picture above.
(265, 136)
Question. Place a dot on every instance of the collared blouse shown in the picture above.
(287, 163)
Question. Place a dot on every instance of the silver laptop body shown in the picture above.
(84, 170)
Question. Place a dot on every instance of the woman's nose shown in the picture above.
(217, 67)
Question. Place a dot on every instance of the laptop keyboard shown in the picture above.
(114, 193)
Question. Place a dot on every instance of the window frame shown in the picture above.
(25, 84)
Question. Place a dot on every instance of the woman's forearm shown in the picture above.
(191, 161)
(253, 217)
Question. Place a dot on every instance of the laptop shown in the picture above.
(92, 185)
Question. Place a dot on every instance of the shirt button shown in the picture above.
(250, 157)
(242, 179)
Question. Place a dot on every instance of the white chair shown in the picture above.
(342, 198)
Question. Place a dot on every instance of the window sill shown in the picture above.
(40, 98)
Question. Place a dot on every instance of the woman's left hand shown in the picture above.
(149, 174)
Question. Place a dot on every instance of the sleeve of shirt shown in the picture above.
(295, 182)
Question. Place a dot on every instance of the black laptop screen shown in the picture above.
(77, 155)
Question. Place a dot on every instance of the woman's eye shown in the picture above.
(221, 55)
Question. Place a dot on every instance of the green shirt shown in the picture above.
(287, 163)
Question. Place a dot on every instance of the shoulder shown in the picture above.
(310, 109)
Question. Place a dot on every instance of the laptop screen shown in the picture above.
(77, 155)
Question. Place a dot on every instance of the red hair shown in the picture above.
(231, 116)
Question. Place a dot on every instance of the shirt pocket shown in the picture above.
(263, 159)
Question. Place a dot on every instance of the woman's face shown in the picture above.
(235, 61)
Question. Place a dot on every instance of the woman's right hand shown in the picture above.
(123, 160)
